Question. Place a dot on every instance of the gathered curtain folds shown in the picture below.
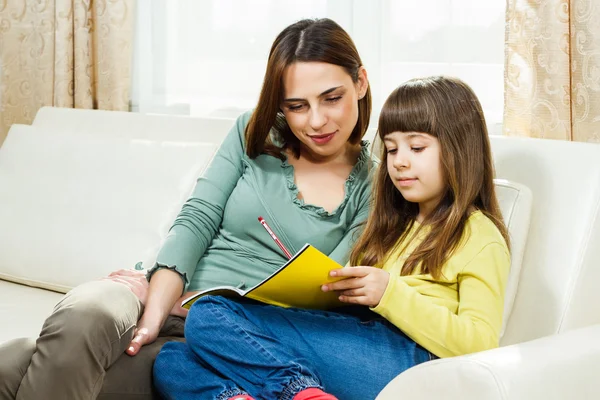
(63, 53)
(552, 69)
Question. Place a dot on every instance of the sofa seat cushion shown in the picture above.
(23, 309)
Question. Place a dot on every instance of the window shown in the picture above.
(207, 58)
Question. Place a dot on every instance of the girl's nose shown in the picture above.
(400, 161)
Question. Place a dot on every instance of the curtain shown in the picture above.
(552, 69)
(64, 53)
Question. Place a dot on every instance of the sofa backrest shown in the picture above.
(132, 125)
(561, 263)
(77, 203)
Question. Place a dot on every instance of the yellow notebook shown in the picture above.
(296, 284)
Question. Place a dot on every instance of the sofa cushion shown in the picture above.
(24, 309)
(76, 207)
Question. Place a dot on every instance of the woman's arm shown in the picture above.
(190, 235)
(201, 216)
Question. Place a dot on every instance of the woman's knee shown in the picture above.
(97, 317)
(16, 357)
(97, 305)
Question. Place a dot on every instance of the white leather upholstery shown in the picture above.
(558, 367)
(515, 204)
(562, 260)
(132, 125)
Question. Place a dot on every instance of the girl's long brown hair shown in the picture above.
(308, 40)
(449, 110)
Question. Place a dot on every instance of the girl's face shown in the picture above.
(414, 166)
(320, 104)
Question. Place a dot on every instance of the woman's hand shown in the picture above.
(145, 333)
(134, 280)
(165, 288)
(179, 311)
(362, 285)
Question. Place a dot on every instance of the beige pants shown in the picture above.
(80, 352)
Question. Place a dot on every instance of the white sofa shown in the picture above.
(83, 193)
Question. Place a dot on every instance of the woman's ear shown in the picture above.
(362, 83)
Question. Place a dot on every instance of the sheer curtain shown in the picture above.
(207, 57)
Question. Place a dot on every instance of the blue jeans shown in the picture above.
(240, 346)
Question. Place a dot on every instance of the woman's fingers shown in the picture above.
(140, 338)
(127, 272)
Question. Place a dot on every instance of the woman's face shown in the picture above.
(320, 104)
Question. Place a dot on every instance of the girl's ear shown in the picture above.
(362, 83)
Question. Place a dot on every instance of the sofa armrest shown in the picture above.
(556, 367)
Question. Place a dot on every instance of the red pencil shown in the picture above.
(275, 238)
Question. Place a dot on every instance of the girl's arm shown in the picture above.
(477, 323)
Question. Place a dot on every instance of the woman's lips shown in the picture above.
(323, 139)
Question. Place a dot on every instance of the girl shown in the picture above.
(297, 159)
(433, 262)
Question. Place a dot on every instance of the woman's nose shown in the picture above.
(318, 119)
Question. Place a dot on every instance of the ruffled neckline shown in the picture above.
(288, 172)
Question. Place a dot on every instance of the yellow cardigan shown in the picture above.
(461, 312)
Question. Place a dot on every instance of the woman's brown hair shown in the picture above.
(449, 110)
(308, 40)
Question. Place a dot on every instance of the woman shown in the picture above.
(297, 160)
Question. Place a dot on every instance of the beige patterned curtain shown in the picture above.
(66, 53)
(552, 69)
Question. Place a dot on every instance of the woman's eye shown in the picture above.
(333, 99)
(295, 107)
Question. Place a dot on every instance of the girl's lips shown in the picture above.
(406, 182)
(323, 139)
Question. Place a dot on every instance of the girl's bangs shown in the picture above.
(407, 110)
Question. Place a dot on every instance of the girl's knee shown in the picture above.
(171, 354)
(205, 314)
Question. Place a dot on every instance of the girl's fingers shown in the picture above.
(362, 300)
(352, 292)
(350, 272)
(344, 284)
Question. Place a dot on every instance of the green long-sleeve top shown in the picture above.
(217, 239)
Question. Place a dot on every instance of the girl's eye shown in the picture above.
(333, 99)
(391, 151)
(417, 149)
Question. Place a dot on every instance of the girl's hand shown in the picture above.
(362, 285)
(134, 280)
